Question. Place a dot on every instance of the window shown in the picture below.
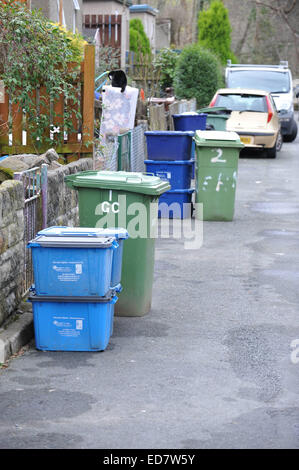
(269, 80)
(242, 102)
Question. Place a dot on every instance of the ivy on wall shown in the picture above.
(35, 52)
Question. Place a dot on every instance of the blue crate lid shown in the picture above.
(169, 133)
(186, 115)
(73, 242)
(181, 191)
(61, 231)
(109, 297)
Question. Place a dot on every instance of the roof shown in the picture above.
(144, 8)
(249, 91)
(128, 3)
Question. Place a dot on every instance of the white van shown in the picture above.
(274, 78)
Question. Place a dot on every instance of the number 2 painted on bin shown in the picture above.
(218, 159)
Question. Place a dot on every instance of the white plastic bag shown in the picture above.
(119, 110)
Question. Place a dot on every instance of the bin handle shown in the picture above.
(114, 300)
(117, 288)
(114, 245)
(79, 234)
(133, 177)
(148, 173)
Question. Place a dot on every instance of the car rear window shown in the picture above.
(242, 102)
(269, 80)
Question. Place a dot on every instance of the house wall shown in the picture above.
(112, 8)
(50, 9)
(163, 33)
(149, 24)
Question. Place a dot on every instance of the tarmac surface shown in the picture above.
(213, 365)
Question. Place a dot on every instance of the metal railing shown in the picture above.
(124, 152)
(35, 187)
(138, 148)
(106, 154)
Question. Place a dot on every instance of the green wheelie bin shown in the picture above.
(215, 117)
(128, 200)
(217, 158)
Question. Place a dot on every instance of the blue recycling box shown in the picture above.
(119, 233)
(72, 266)
(168, 145)
(176, 204)
(73, 323)
(190, 122)
(178, 172)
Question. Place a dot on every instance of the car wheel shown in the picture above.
(279, 142)
(292, 136)
(271, 152)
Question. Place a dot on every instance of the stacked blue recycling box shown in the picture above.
(77, 274)
(171, 157)
(190, 122)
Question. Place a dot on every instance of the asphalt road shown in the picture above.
(210, 367)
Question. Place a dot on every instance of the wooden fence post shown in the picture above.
(157, 118)
(29, 140)
(17, 124)
(4, 128)
(88, 98)
(44, 108)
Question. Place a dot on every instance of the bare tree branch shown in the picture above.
(282, 12)
(273, 8)
(291, 7)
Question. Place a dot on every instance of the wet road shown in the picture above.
(209, 367)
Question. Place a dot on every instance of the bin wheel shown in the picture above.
(192, 209)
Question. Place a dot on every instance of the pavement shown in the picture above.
(213, 365)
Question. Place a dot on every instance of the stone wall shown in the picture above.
(11, 246)
(63, 201)
(62, 210)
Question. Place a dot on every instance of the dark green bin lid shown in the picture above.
(119, 180)
(213, 110)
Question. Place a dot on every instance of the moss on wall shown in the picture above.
(5, 174)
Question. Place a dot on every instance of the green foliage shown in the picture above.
(34, 53)
(139, 42)
(214, 31)
(75, 42)
(165, 61)
(108, 59)
(197, 75)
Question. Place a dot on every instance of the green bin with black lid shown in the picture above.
(128, 200)
(216, 117)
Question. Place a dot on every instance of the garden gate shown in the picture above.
(35, 187)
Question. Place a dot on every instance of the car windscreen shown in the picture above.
(268, 80)
(242, 102)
